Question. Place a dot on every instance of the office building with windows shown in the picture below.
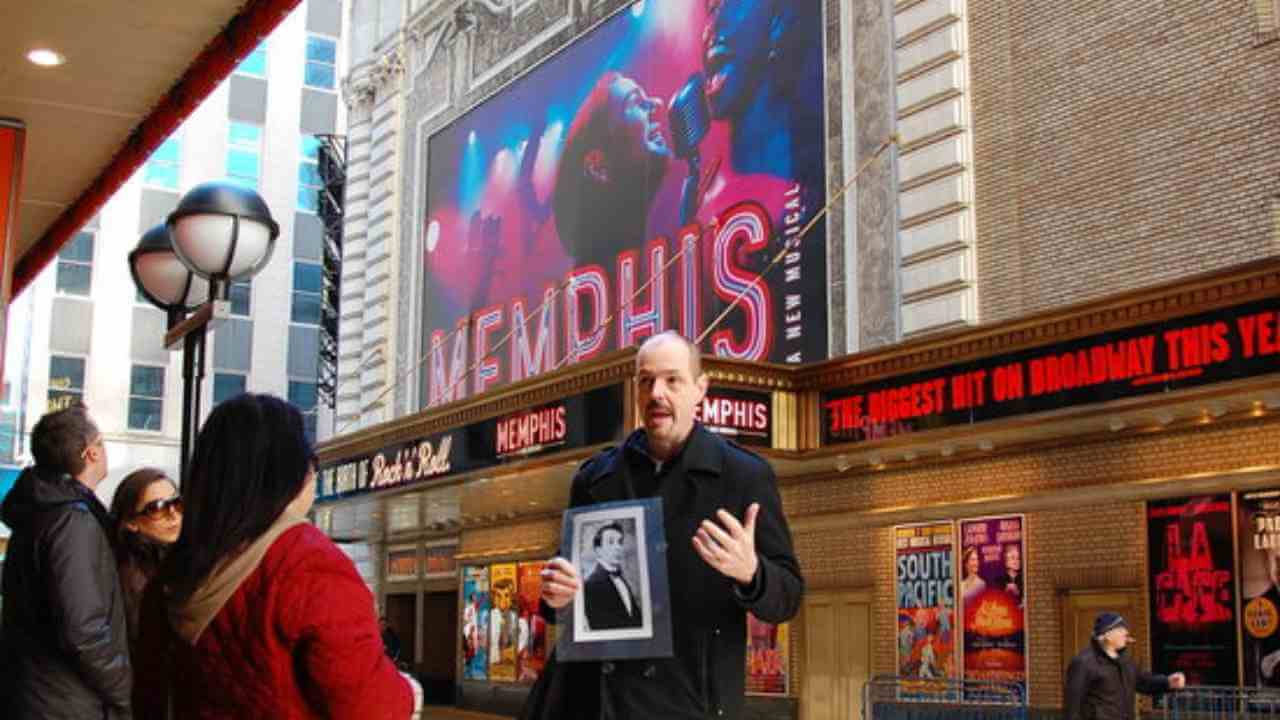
(82, 331)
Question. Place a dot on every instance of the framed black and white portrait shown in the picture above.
(622, 608)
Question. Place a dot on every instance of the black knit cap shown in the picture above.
(1106, 622)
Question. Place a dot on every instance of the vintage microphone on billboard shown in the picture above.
(690, 119)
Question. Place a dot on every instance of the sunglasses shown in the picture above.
(156, 509)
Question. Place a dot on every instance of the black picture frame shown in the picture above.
(600, 624)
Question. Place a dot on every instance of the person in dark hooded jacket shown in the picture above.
(66, 643)
(1102, 681)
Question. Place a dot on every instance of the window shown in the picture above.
(244, 153)
(255, 63)
(239, 293)
(309, 183)
(303, 396)
(8, 436)
(306, 293)
(227, 385)
(66, 381)
(165, 164)
(146, 398)
(322, 57)
(75, 265)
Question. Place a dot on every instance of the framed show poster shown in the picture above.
(1258, 541)
(768, 657)
(993, 605)
(475, 623)
(504, 622)
(1192, 588)
(531, 647)
(924, 569)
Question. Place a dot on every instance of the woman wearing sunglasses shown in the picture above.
(148, 514)
(255, 612)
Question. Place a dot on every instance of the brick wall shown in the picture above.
(538, 532)
(1117, 145)
(1077, 548)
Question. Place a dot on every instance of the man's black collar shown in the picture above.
(702, 450)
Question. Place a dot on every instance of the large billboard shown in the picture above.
(636, 181)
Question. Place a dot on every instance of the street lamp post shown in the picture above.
(219, 232)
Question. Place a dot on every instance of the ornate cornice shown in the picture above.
(367, 81)
(388, 68)
(358, 88)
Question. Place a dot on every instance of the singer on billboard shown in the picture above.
(613, 164)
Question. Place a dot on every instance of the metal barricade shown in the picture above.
(887, 697)
(1203, 702)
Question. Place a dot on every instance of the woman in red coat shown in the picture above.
(255, 612)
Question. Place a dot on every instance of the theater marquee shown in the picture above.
(583, 420)
(1228, 344)
(744, 416)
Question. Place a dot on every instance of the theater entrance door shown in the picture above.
(837, 654)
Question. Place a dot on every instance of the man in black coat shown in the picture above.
(66, 642)
(609, 602)
(1102, 681)
(719, 566)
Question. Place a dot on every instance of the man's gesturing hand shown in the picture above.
(559, 582)
(731, 549)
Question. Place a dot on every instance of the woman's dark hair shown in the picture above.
(249, 462)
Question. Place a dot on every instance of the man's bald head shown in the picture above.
(695, 355)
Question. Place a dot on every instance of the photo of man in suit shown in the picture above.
(610, 601)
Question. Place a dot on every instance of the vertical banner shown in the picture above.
(531, 650)
(475, 623)
(993, 599)
(768, 657)
(925, 562)
(504, 622)
(1258, 524)
(1192, 594)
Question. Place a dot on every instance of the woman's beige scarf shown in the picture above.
(190, 619)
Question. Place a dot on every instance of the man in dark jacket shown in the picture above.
(1102, 681)
(64, 617)
(719, 566)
